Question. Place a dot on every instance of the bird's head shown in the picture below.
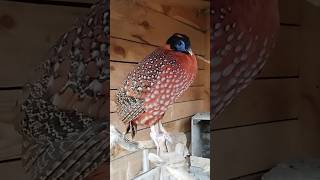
(180, 43)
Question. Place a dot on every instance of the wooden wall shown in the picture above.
(276, 117)
(27, 31)
(137, 28)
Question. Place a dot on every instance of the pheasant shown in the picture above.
(155, 84)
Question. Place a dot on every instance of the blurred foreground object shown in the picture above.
(65, 128)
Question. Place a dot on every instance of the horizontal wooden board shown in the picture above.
(290, 11)
(13, 170)
(197, 16)
(134, 22)
(285, 59)
(246, 150)
(262, 101)
(193, 93)
(27, 32)
(250, 177)
(134, 52)
(127, 167)
(175, 112)
(10, 140)
(119, 71)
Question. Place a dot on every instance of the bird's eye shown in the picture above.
(179, 43)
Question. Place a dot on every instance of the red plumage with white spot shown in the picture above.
(155, 84)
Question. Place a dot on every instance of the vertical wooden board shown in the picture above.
(310, 80)
(27, 31)
(241, 151)
(290, 11)
(13, 171)
(285, 60)
(262, 101)
(133, 22)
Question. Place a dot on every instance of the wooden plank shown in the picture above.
(262, 101)
(26, 39)
(193, 93)
(124, 50)
(175, 112)
(133, 52)
(197, 16)
(148, 26)
(119, 71)
(285, 59)
(13, 171)
(241, 151)
(290, 11)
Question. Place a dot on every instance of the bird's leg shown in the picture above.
(154, 134)
(165, 133)
(160, 136)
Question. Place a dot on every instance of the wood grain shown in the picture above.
(198, 11)
(133, 22)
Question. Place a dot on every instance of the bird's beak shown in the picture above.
(190, 51)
